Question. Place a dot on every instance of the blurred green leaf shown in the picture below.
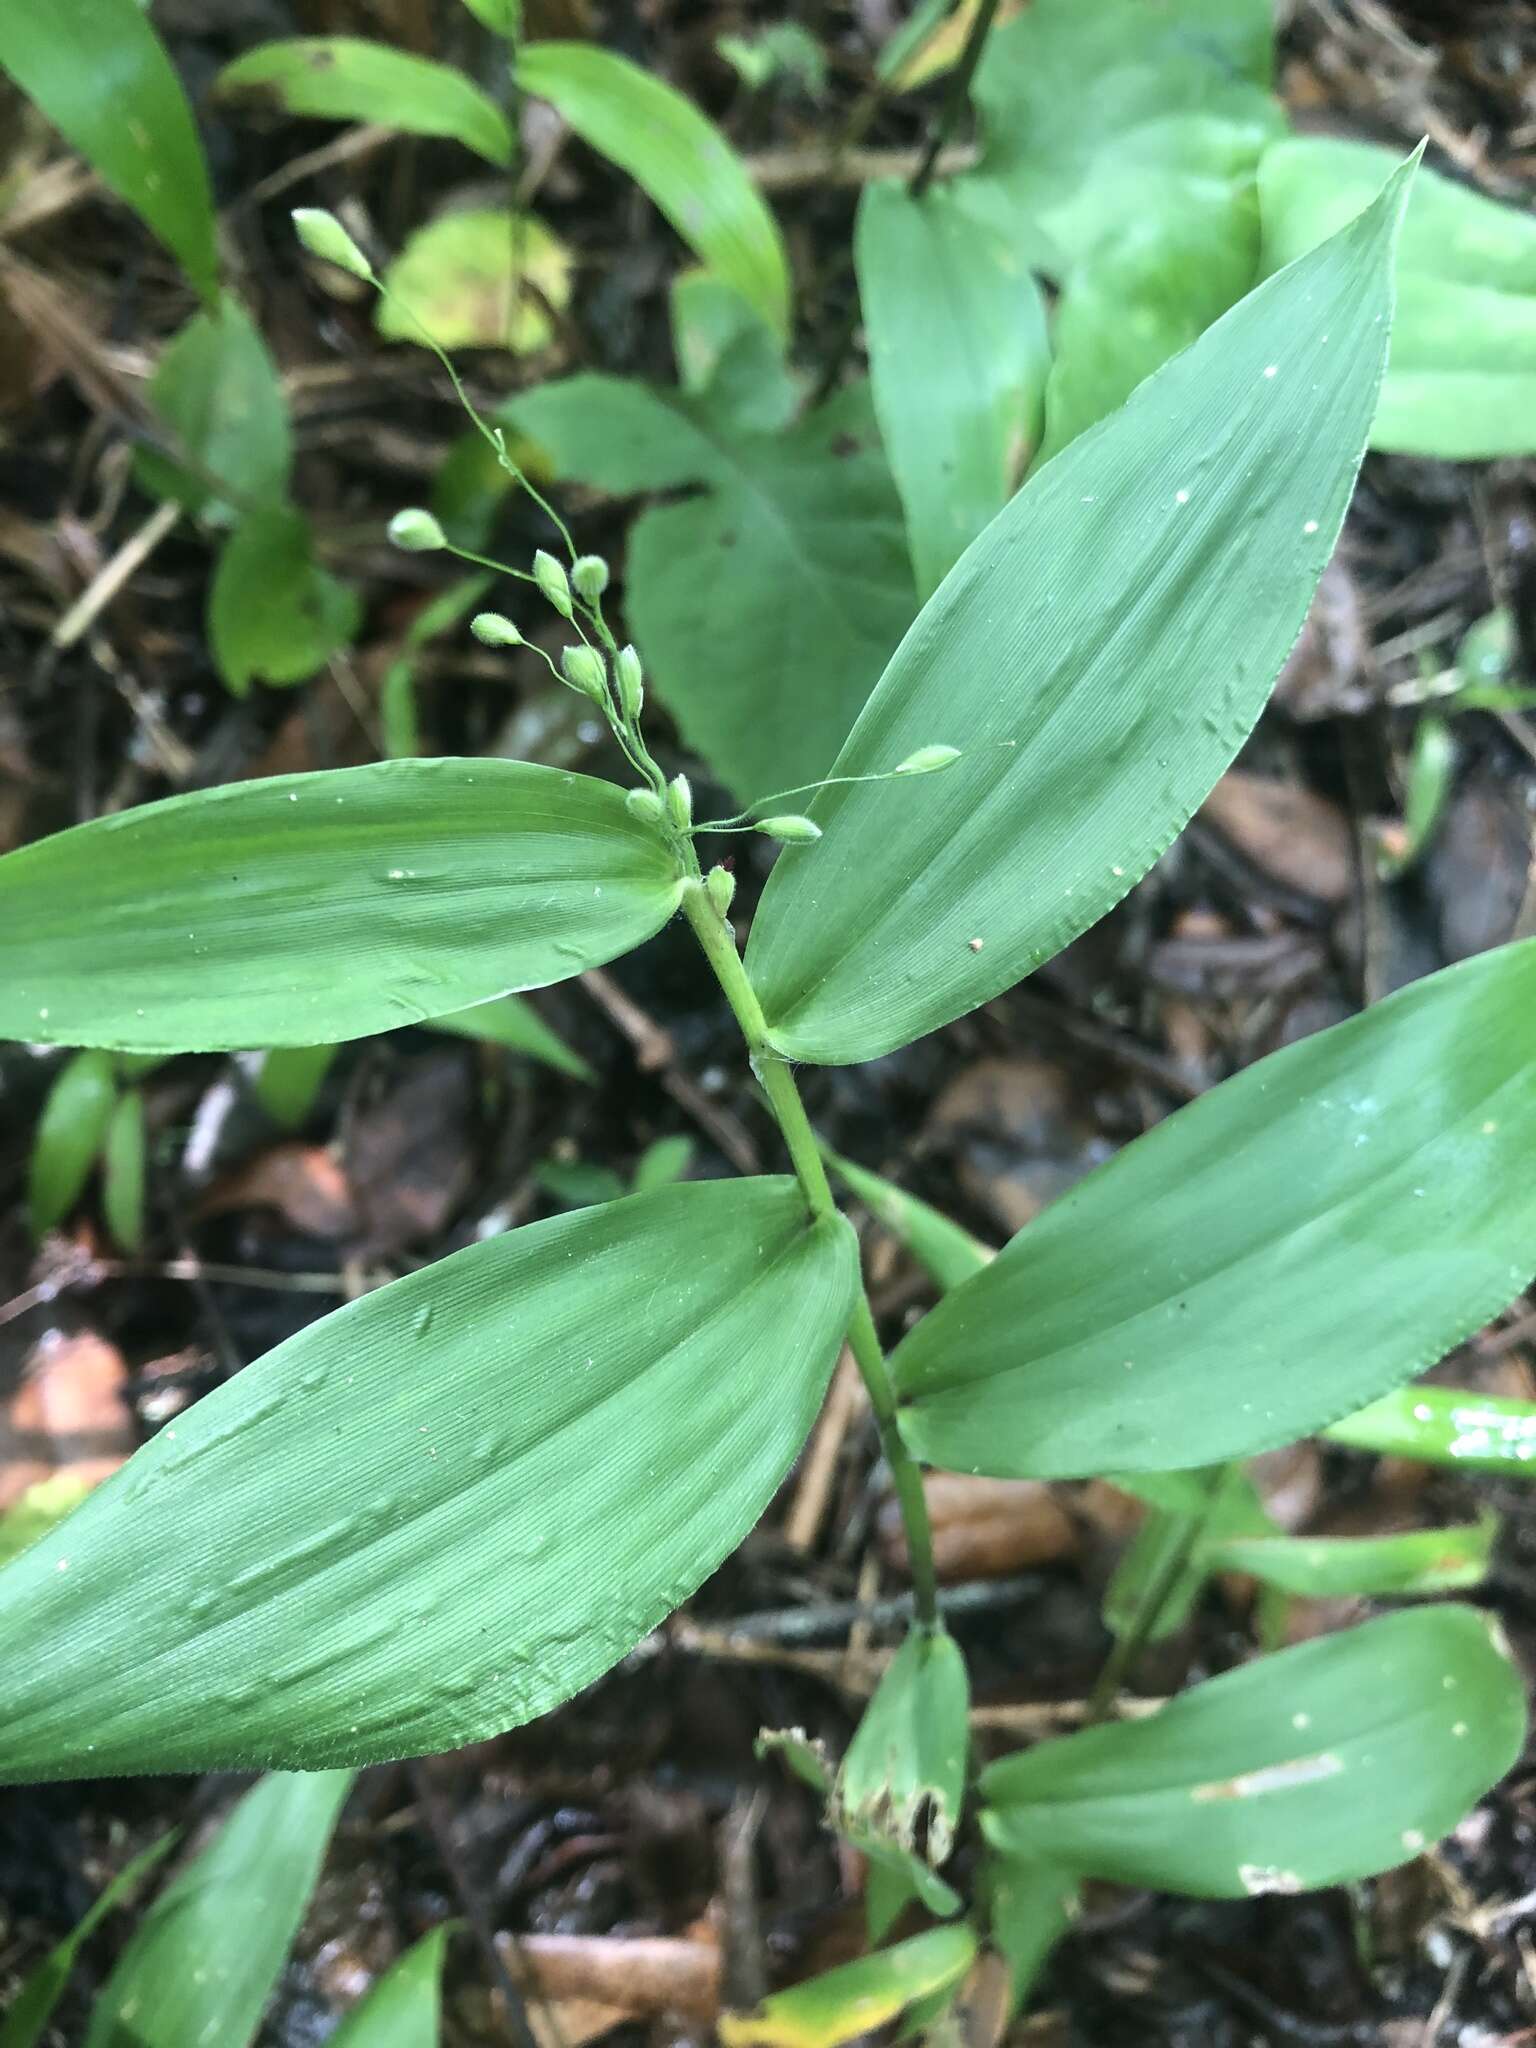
(481, 278)
(844, 2003)
(289, 1079)
(69, 1136)
(958, 356)
(343, 78)
(502, 17)
(32, 2007)
(1165, 1567)
(346, 902)
(217, 389)
(1162, 1314)
(1314, 1767)
(765, 604)
(402, 2009)
(42, 1505)
(1446, 1426)
(101, 75)
(274, 614)
(1326, 1567)
(1030, 1906)
(1431, 772)
(677, 157)
(202, 1963)
(781, 50)
(122, 1172)
(1461, 384)
(1098, 656)
(947, 1253)
(509, 1021)
(365, 1564)
(728, 358)
(662, 1163)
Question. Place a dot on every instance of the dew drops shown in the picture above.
(1272, 370)
(1301, 1720)
(1310, 527)
(1412, 1838)
(1181, 497)
(1458, 1728)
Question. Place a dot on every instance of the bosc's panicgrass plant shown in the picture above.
(448, 1506)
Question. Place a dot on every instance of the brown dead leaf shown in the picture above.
(984, 1528)
(1296, 838)
(409, 1152)
(304, 1183)
(627, 1975)
(69, 1416)
(1019, 1135)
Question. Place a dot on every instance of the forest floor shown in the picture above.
(639, 1809)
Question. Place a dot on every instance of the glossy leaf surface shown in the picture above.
(856, 1998)
(955, 327)
(307, 908)
(402, 2009)
(1284, 1249)
(676, 156)
(345, 78)
(1446, 1426)
(70, 1133)
(1098, 655)
(442, 1510)
(1314, 1767)
(765, 605)
(201, 1964)
(217, 389)
(101, 75)
(1461, 383)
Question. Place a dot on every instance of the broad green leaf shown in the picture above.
(766, 604)
(1324, 1567)
(217, 389)
(1446, 1426)
(518, 1026)
(101, 75)
(69, 1136)
(481, 278)
(442, 1510)
(1318, 1766)
(32, 2007)
(947, 1253)
(1098, 655)
(274, 614)
(1461, 383)
(307, 908)
(202, 1963)
(122, 1171)
(957, 360)
(344, 78)
(841, 2004)
(1030, 1906)
(1289, 1246)
(1065, 89)
(289, 1079)
(1144, 293)
(677, 157)
(402, 2009)
(729, 359)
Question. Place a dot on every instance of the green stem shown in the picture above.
(778, 1083)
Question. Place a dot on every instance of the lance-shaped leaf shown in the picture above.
(202, 1963)
(31, 2008)
(70, 1133)
(1446, 1426)
(1098, 655)
(676, 156)
(903, 1777)
(856, 1998)
(441, 1510)
(1311, 1233)
(1318, 1766)
(402, 2009)
(346, 78)
(957, 359)
(101, 75)
(307, 908)
(1325, 1567)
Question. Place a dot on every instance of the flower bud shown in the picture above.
(721, 884)
(495, 631)
(553, 581)
(927, 760)
(324, 236)
(589, 573)
(644, 804)
(631, 687)
(416, 531)
(791, 829)
(585, 670)
(680, 802)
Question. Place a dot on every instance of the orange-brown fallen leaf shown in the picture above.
(624, 1975)
(304, 1183)
(984, 1528)
(69, 1416)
